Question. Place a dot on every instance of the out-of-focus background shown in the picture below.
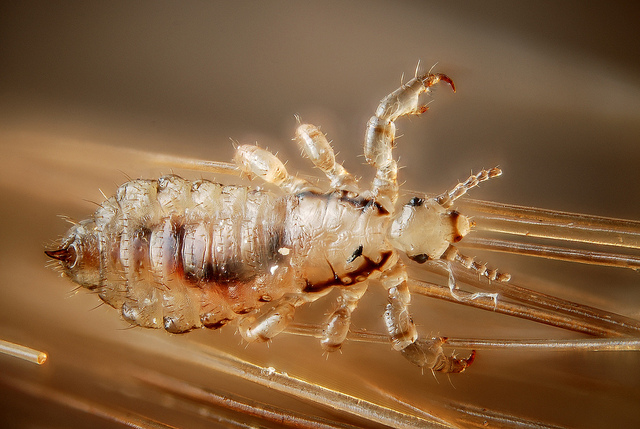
(548, 91)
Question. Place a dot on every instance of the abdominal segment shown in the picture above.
(180, 255)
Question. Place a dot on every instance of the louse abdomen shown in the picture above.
(178, 255)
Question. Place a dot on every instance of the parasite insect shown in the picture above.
(179, 255)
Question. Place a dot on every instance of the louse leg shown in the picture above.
(255, 161)
(337, 326)
(446, 199)
(269, 324)
(381, 131)
(403, 333)
(452, 254)
(266, 324)
(316, 147)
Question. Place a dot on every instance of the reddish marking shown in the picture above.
(447, 79)
(65, 255)
(471, 358)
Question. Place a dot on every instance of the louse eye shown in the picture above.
(68, 255)
(415, 202)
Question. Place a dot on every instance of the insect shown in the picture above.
(179, 255)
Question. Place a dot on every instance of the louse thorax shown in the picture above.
(335, 239)
(423, 229)
(79, 254)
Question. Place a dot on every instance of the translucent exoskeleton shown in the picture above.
(179, 255)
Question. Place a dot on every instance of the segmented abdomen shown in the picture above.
(179, 254)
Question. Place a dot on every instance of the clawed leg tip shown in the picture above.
(447, 79)
(471, 358)
(460, 365)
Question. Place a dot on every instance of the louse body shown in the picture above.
(179, 255)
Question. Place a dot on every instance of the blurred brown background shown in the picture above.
(548, 91)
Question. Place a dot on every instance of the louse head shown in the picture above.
(423, 229)
(78, 254)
